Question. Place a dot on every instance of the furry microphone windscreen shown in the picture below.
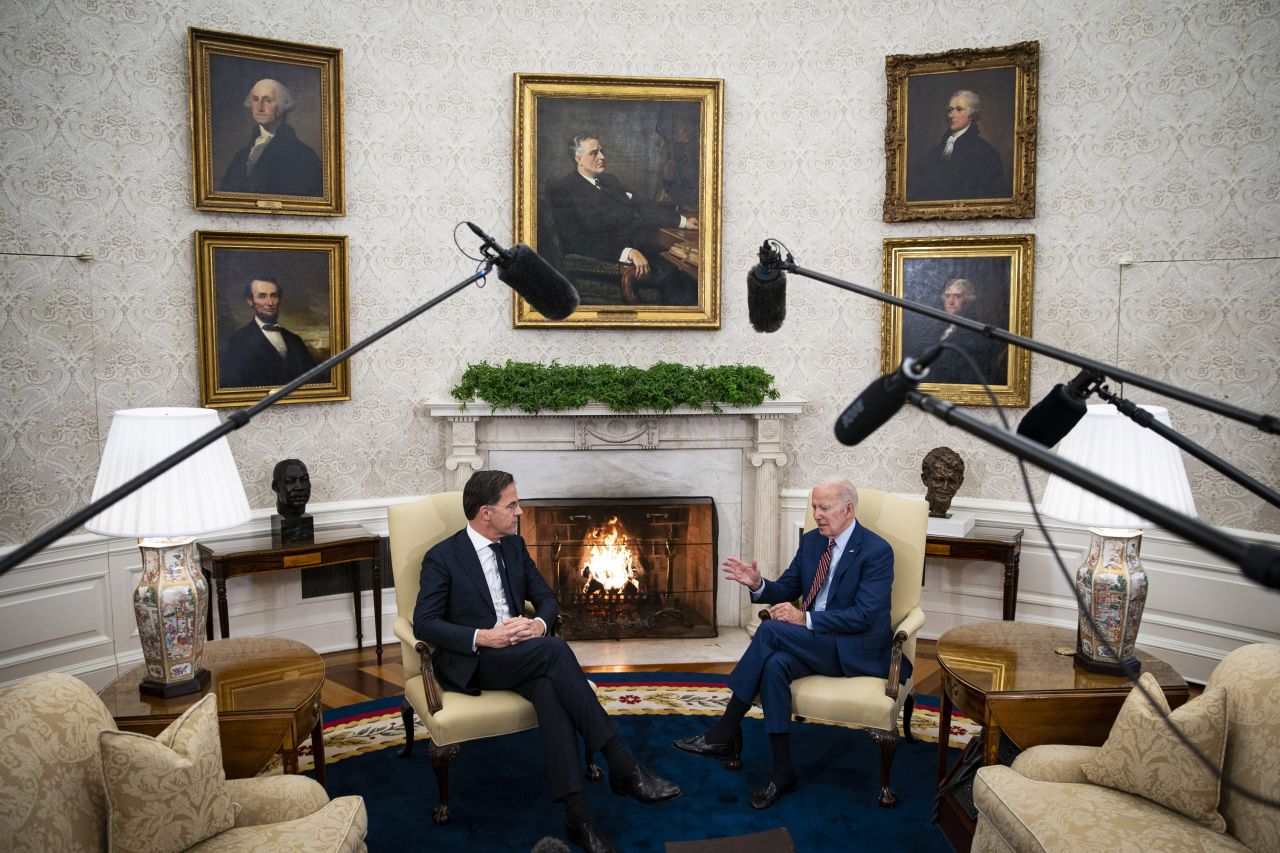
(549, 292)
(766, 298)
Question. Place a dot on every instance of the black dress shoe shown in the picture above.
(730, 752)
(769, 793)
(643, 785)
(588, 836)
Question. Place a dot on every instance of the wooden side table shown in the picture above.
(261, 554)
(268, 693)
(997, 544)
(1012, 678)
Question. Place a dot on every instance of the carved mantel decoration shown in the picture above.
(734, 456)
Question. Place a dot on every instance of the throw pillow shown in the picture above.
(1143, 757)
(166, 793)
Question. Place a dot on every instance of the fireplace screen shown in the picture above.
(633, 568)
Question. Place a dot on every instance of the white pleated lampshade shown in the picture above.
(1108, 443)
(199, 495)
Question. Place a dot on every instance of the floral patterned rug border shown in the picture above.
(380, 726)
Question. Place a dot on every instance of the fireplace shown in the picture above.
(635, 567)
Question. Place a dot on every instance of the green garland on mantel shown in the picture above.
(555, 387)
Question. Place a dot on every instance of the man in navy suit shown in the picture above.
(842, 576)
(471, 609)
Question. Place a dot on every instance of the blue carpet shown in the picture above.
(497, 792)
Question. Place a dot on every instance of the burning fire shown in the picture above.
(611, 562)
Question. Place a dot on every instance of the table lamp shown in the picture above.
(1111, 581)
(199, 495)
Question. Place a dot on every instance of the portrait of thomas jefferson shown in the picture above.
(973, 288)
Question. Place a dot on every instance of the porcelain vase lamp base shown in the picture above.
(1113, 587)
(171, 603)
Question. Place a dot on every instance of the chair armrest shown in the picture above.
(404, 633)
(907, 628)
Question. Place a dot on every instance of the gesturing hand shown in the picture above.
(747, 574)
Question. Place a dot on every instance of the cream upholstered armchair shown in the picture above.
(451, 718)
(1156, 796)
(875, 704)
(71, 781)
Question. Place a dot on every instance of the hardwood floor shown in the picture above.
(355, 676)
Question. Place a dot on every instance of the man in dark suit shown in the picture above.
(596, 216)
(262, 353)
(843, 576)
(471, 609)
(962, 165)
(959, 299)
(276, 161)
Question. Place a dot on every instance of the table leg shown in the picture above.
(990, 741)
(1010, 584)
(377, 599)
(944, 733)
(317, 746)
(224, 619)
(355, 591)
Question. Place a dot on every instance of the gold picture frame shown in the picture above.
(662, 140)
(239, 362)
(997, 276)
(242, 86)
(988, 98)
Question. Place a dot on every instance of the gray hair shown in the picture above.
(964, 284)
(283, 95)
(975, 103)
(845, 490)
(575, 144)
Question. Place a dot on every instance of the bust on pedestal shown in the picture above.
(292, 485)
(942, 473)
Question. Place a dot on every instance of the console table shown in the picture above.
(997, 544)
(261, 554)
(268, 692)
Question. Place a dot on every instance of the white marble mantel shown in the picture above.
(734, 456)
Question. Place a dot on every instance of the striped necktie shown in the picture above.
(824, 565)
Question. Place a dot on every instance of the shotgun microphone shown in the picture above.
(883, 398)
(1049, 421)
(527, 273)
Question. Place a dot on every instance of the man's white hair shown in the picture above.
(845, 490)
(283, 96)
(975, 103)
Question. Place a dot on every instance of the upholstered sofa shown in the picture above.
(1047, 802)
(55, 736)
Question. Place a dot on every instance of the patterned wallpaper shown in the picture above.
(1159, 144)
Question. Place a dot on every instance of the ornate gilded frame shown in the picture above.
(1000, 267)
(628, 113)
(311, 272)
(919, 88)
(224, 67)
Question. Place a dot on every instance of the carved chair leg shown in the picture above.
(908, 708)
(406, 715)
(888, 742)
(440, 758)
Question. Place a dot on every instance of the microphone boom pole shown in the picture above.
(1266, 423)
(234, 421)
(1258, 562)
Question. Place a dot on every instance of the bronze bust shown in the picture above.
(292, 485)
(942, 473)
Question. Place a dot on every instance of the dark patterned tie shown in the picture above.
(824, 565)
(496, 548)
